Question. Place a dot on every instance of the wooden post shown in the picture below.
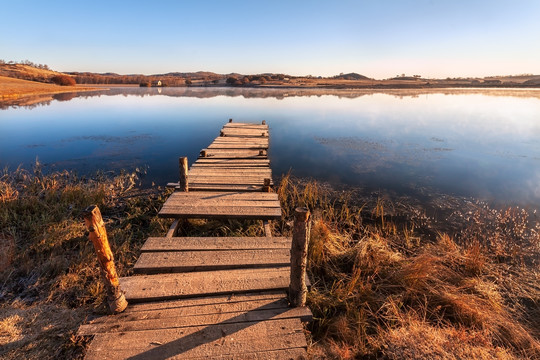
(221, 133)
(203, 153)
(266, 186)
(264, 122)
(183, 162)
(230, 120)
(98, 236)
(299, 247)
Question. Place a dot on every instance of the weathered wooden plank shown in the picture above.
(211, 187)
(217, 180)
(220, 187)
(176, 319)
(223, 203)
(178, 285)
(217, 171)
(229, 196)
(230, 166)
(191, 305)
(238, 146)
(233, 162)
(184, 261)
(220, 212)
(288, 354)
(214, 243)
(244, 339)
(245, 126)
(233, 154)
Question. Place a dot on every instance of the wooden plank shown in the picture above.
(245, 339)
(192, 305)
(228, 180)
(233, 162)
(245, 126)
(184, 261)
(178, 285)
(219, 187)
(220, 212)
(217, 171)
(223, 203)
(214, 243)
(176, 319)
(210, 187)
(228, 196)
(288, 354)
(238, 146)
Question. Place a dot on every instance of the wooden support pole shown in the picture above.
(183, 182)
(203, 153)
(266, 186)
(98, 236)
(230, 120)
(299, 248)
(264, 122)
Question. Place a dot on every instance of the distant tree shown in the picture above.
(63, 80)
(231, 80)
(215, 82)
(188, 81)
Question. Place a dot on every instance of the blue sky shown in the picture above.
(377, 38)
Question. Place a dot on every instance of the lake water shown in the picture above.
(461, 142)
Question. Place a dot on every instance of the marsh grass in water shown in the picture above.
(386, 281)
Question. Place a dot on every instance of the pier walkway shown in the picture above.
(211, 297)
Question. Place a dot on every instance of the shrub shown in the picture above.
(63, 80)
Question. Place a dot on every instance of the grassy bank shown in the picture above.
(383, 285)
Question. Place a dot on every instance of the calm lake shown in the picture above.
(482, 144)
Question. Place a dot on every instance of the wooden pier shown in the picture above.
(212, 297)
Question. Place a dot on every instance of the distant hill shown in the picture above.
(351, 76)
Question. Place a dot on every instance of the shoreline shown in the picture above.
(16, 89)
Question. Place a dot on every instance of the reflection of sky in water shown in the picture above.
(487, 146)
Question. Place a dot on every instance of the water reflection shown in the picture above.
(466, 142)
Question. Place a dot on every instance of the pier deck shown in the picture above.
(211, 297)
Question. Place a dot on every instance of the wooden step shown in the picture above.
(185, 261)
(214, 243)
(204, 283)
(200, 204)
(197, 312)
(275, 339)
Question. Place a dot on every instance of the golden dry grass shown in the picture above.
(11, 88)
(380, 292)
(380, 289)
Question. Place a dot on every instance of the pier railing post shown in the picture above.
(183, 182)
(299, 249)
(98, 236)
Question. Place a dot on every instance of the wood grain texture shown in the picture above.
(244, 339)
(184, 261)
(178, 285)
(214, 243)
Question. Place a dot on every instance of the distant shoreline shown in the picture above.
(13, 89)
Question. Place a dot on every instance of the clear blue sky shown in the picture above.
(377, 38)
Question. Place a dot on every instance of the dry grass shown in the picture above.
(11, 88)
(381, 289)
(50, 281)
(383, 292)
